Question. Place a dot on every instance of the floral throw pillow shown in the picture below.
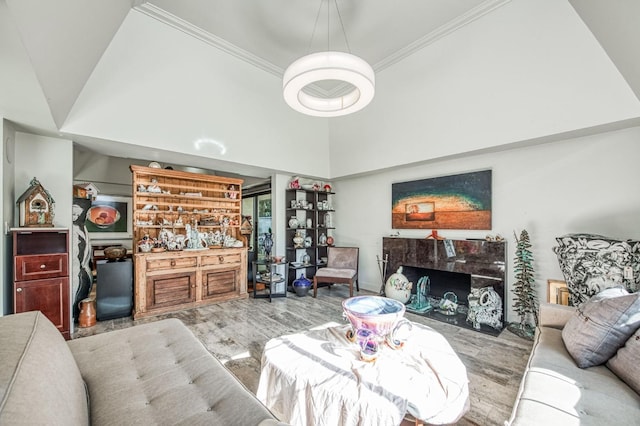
(601, 326)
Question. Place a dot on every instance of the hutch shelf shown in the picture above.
(176, 201)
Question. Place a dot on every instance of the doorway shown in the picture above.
(256, 206)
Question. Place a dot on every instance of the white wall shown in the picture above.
(51, 161)
(7, 201)
(160, 88)
(587, 184)
(527, 70)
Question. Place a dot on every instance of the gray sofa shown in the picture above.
(554, 391)
(156, 373)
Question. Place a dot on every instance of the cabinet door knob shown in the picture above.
(19, 290)
(173, 263)
(221, 259)
(43, 266)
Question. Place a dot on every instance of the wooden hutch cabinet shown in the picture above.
(170, 200)
(41, 274)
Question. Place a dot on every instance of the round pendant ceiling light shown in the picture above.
(337, 66)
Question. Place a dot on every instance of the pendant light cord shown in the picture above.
(315, 26)
(344, 33)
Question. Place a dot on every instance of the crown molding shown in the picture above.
(455, 24)
(442, 31)
(215, 41)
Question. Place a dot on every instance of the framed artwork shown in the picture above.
(110, 217)
(449, 202)
(557, 292)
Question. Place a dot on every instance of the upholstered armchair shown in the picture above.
(342, 268)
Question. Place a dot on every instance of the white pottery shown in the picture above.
(293, 222)
(398, 287)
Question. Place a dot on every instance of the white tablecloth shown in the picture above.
(317, 378)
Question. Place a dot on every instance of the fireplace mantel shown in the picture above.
(484, 261)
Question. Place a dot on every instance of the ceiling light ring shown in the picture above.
(331, 65)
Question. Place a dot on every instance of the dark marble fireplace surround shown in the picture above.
(480, 263)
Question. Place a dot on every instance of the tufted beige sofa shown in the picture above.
(554, 391)
(157, 373)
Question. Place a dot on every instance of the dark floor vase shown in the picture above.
(591, 263)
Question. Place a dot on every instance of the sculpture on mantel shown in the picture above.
(525, 303)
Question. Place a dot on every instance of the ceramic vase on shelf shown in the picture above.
(293, 222)
(322, 239)
(330, 240)
(298, 240)
(327, 220)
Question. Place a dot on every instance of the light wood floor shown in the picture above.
(237, 331)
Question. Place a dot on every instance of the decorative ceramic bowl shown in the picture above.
(103, 216)
(375, 313)
(115, 253)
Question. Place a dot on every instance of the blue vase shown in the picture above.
(301, 285)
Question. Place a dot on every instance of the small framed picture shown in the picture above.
(557, 292)
(110, 217)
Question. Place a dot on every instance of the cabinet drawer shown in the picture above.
(41, 266)
(221, 259)
(171, 263)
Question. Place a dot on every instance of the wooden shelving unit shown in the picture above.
(319, 226)
(173, 280)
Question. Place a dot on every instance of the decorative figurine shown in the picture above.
(419, 302)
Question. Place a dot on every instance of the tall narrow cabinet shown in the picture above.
(171, 200)
(314, 222)
(41, 274)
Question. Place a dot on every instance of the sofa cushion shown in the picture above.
(601, 326)
(39, 380)
(626, 362)
(554, 391)
(160, 373)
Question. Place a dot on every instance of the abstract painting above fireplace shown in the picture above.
(449, 202)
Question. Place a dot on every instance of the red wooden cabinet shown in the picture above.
(41, 274)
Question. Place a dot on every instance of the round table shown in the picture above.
(317, 378)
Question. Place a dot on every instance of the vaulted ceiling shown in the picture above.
(161, 79)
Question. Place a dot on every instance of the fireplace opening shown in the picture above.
(442, 284)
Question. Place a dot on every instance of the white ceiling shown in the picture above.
(280, 31)
(49, 50)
